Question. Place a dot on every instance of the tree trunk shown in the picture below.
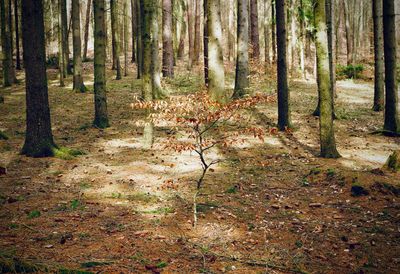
(38, 136)
(126, 34)
(168, 50)
(65, 43)
(379, 79)
(205, 42)
(139, 43)
(100, 94)
(87, 23)
(283, 90)
(273, 28)
(17, 44)
(196, 53)
(349, 36)
(183, 27)
(190, 32)
(8, 66)
(267, 7)
(255, 40)
(133, 34)
(78, 85)
(392, 121)
(302, 42)
(216, 74)
(327, 134)
(242, 60)
(115, 37)
(61, 59)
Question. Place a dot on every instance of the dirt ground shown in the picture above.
(271, 207)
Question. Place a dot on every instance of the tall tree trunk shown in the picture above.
(267, 8)
(126, 34)
(133, 30)
(190, 32)
(349, 35)
(139, 43)
(100, 93)
(327, 134)
(78, 85)
(8, 66)
(332, 68)
(216, 73)
(17, 45)
(283, 90)
(196, 53)
(61, 59)
(65, 43)
(115, 37)
(168, 50)
(392, 121)
(183, 26)
(87, 23)
(273, 28)
(38, 136)
(255, 40)
(242, 59)
(205, 42)
(379, 79)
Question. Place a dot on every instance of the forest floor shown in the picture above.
(270, 207)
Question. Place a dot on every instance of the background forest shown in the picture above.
(199, 136)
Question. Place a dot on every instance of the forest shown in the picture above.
(199, 136)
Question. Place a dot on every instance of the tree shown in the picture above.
(267, 59)
(8, 66)
(64, 36)
(283, 90)
(61, 59)
(38, 136)
(392, 121)
(327, 134)
(78, 85)
(190, 32)
(255, 43)
(273, 28)
(133, 30)
(205, 42)
(196, 52)
(139, 44)
(242, 60)
(115, 38)
(379, 79)
(168, 50)
(87, 23)
(216, 74)
(17, 43)
(100, 94)
(126, 34)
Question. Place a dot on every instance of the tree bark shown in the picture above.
(190, 32)
(273, 28)
(17, 43)
(61, 56)
(379, 79)
(126, 34)
(8, 66)
(100, 94)
(327, 134)
(283, 90)
(115, 37)
(78, 85)
(242, 59)
(255, 40)
(139, 43)
(196, 53)
(216, 73)
(87, 24)
(65, 43)
(392, 121)
(133, 34)
(267, 8)
(168, 50)
(349, 34)
(38, 137)
(205, 42)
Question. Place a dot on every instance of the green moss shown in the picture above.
(142, 197)
(34, 214)
(66, 153)
(393, 162)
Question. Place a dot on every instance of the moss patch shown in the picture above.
(66, 153)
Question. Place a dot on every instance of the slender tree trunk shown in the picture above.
(139, 43)
(392, 121)
(115, 37)
(255, 40)
(216, 73)
(349, 36)
(190, 32)
(168, 50)
(379, 63)
(327, 134)
(100, 93)
(17, 45)
(205, 42)
(38, 136)
(61, 59)
(87, 23)
(65, 43)
(267, 8)
(125, 33)
(78, 85)
(273, 28)
(183, 26)
(242, 59)
(302, 42)
(196, 53)
(283, 90)
(133, 30)
(8, 67)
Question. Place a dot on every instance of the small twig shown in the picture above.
(29, 227)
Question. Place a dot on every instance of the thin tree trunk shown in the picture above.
(8, 67)
(87, 23)
(139, 43)
(125, 33)
(38, 136)
(133, 34)
(61, 59)
(327, 134)
(267, 7)
(115, 37)
(17, 45)
(392, 121)
(242, 60)
(273, 28)
(190, 32)
(349, 38)
(379, 79)
(196, 53)
(65, 43)
(78, 85)
(205, 42)
(216, 73)
(283, 90)
(100, 94)
(168, 50)
(255, 40)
